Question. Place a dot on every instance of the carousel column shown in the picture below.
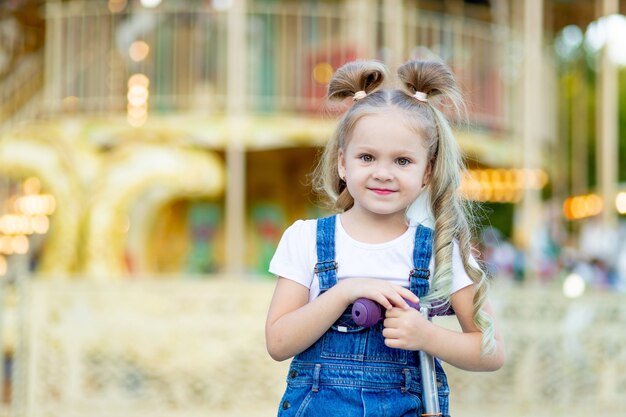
(607, 123)
(53, 59)
(361, 27)
(579, 165)
(235, 150)
(528, 215)
(393, 34)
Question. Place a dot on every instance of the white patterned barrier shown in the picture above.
(564, 358)
(191, 348)
(180, 348)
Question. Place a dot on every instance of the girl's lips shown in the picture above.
(381, 191)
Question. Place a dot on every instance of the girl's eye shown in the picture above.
(403, 161)
(366, 158)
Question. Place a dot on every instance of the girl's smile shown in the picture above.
(382, 191)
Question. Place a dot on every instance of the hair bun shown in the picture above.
(432, 78)
(367, 76)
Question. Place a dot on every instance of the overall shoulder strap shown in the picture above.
(326, 267)
(421, 260)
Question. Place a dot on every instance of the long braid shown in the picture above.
(451, 225)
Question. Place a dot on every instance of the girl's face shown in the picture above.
(385, 164)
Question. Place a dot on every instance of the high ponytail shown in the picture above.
(435, 79)
(350, 79)
(356, 76)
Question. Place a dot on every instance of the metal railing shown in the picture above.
(291, 51)
(19, 91)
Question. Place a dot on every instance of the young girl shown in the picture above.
(392, 171)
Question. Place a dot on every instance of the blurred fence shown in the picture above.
(20, 91)
(565, 357)
(187, 348)
(142, 349)
(291, 50)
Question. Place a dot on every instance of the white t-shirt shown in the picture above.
(296, 256)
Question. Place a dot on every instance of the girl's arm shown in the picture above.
(407, 329)
(293, 324)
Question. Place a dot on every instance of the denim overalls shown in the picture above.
(349, 371)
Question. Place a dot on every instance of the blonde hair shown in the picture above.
(452, 221)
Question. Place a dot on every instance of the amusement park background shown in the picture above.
(152, 152)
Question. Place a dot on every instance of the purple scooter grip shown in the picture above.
(368, 313)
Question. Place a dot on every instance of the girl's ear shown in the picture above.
(427, 175)
(341, 164)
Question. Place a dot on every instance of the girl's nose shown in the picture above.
(383, 173)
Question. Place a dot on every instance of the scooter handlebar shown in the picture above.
(368, 313)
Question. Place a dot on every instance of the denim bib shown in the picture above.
(350, 371)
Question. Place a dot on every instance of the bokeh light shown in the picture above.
(322, 72)
(573, 286)
(32, 185)
(3, 266)
(620, 203)
(137, 108)
(501, 185)
(5, 245)
(40, 224)
(14, 224)
(149, 4)
(568, 42)
(116, 6)
(138, 51)
(582, 206)
(20, 244)
(609, 31)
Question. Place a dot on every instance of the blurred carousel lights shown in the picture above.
(3, 266)
(138, 51)
(6, 245)
(20, 244)
(116, 6)
(569, 41)
(582, 206)
(620, 202)
(608, 32)
(25, 215)
(137, 109)
(149, 4)
(501, 185)
(322, 73)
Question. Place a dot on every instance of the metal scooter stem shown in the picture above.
(430, 396)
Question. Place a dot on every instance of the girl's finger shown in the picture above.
(407, 294)
(390, 333)
(392, 313)
(383, 301)
(394, 343)
(397, 300)
(402, 294)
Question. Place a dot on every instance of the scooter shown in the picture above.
(368, 313)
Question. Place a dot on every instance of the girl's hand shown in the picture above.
(386, 294)
(406, 329)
